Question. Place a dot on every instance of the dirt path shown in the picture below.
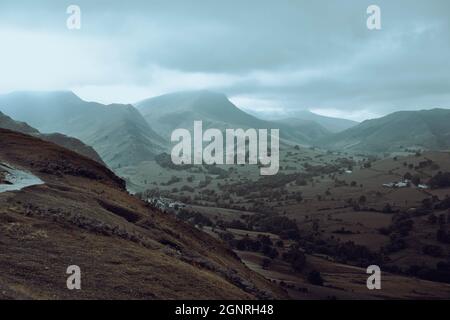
(17, 179)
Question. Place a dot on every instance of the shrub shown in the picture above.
(296, 258)
(440, 180)
(315, 278)
(432, 250)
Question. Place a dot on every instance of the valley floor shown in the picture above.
(342, 212)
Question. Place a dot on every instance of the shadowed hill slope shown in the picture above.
(330, 123)
(426, 129)
(60, 139)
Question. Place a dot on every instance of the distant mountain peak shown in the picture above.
(427, 129)
(44, 94)
(331, 124)
(186, 97)
(180, 109)
(117, 132)
(197, 93)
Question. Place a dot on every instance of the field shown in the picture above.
(341, 211)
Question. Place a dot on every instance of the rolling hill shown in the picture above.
(331, 124)
(180, 110)
(82, 215)
(425, 129)
(117, 132)
(57, 138)
(307, 130)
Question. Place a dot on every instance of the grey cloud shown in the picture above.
(297, 54)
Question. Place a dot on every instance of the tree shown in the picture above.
(441, 219)
(362, 199)
(416, 180)
(265, 263)
(443, 236)
(315, 278)
(427, 203)
(387, 208)
(440, 180)
(270, 252)
(407, 176)
(265, 240)
(432, 250)
(432, 218)
(315, 226)
(296, 257)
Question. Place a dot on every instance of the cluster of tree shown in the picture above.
(235, 224)
(261, 244)
(315, 278)
(194, 218)
(399, 228)
(396, 243)
(317, 170)
(440, 180)
(205, 183)
(266, 185)
(401, 224)
(280, 225)
(441, 219)
(440, 274)
(432, 250)
(187, 188)
(172, 180)
(296, 258)
(149, 193)
(264, 244)
(345, 252)
(165, 161)
(443, 236)
(264, 182)
(215, 170)
(415, 179)
(361, 255)
(444, 205)
(424, 164)
(301, 180)
(342, 230)
(346, 163)
(387, 208)
(367, 165)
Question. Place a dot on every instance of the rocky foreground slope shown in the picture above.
(82, 215)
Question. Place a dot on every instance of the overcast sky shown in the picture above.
(268, 56)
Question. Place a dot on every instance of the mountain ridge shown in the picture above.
(426, 129)
(57, 138)
(180, 109)
(117, 132)
(332, 124)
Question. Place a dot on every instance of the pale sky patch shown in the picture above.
(271, 57)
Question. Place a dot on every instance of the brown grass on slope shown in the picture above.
(82, 215)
